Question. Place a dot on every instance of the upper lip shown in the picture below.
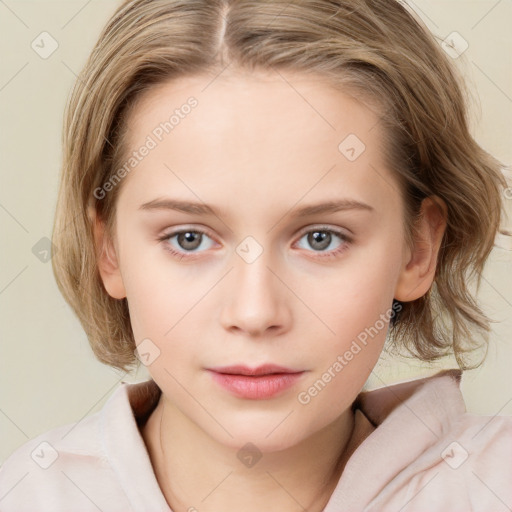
(264, 369)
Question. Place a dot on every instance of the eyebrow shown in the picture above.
(204, 209)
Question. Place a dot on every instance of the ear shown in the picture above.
(418, 271)
(107, 259)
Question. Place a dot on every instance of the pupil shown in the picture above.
(188, 240)
(320, 237)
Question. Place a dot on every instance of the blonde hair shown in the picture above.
(374, 49)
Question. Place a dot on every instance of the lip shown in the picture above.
(259, 383)
(264, 369)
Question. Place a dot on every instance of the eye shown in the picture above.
(186, 241)
(323, 238)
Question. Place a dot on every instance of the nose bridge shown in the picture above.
(253, 277)
(256, 297)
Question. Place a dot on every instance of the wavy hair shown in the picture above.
(376, 50)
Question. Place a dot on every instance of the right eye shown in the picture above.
(187, 241)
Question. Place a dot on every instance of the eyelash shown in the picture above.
(323, 229)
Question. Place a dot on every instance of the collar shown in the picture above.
(124, 446)
(397, 424)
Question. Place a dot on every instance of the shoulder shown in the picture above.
(46, 466)
(482, 447)
(484, 434)
(469, 467)
(433, 454)
(70, 467)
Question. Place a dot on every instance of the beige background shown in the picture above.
(48, 374)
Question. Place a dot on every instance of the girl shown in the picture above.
(254, 195)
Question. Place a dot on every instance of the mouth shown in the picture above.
(266, 369)
(263, 382)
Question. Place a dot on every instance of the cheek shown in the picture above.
(344, 360)
(150, 289)
(168, 303)
(356, 294)
(356, 310)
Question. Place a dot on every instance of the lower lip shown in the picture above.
(256, 388)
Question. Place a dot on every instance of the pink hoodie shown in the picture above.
(413, 449)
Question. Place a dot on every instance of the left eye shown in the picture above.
(321, 239)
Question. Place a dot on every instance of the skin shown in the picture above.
(256, 148)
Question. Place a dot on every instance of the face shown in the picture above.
(259, 276)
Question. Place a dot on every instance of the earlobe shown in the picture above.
(107, 260)
(418, 271)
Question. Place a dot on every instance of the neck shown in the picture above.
(195, 472)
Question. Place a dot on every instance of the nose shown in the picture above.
(256, 299)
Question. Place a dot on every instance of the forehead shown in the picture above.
(265, 134)
(297, 105)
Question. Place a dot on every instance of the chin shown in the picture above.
(268, 434)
